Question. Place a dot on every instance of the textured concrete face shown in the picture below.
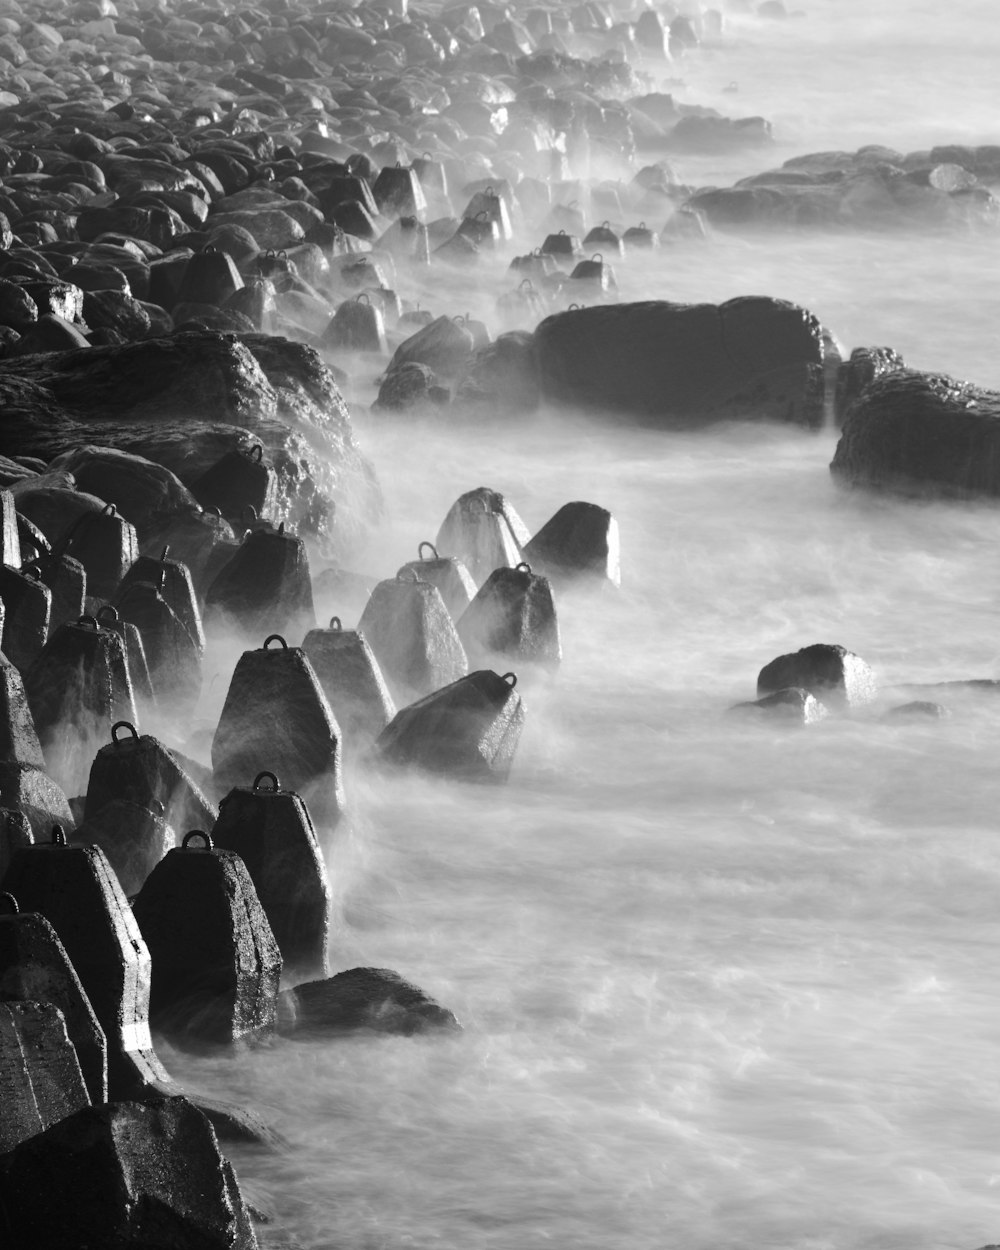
(141, 770)
(452, 579)
(468, 731)
(272, 833)
(413, 637)
(483, 530)
(581, 540)
(130, 1176)
(513, 616)
(40, 1079)
(352, 681)
(34, 966)
(216, 964)
(76, 889)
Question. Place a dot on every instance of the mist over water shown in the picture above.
(724, 984)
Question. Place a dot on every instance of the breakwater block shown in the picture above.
(276, 718)
(270, 829)
(362, 998)
(468, 731)
(133, 838)
(514, 616)
(352, 681)
(831, 673)
(131, 1176)
(484, 531)
(266, 585)
(139, 769)
(413, 637)
(34, 967)
(18, 740)
(27, 604)
(581, 540)
(447, 573)
(216, 964)
(76, 890)
(39, 1074)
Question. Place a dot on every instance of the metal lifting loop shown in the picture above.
(510, 679)
(165, 552)
(198, 833)
(32, 571)
(260, 777)
(434, 551)
(11, 902)
(363, 295)
(597, 258)
(335, 624)
(523, 565)
(275, 638)
(88, 620)
(58, 835)
(107, 612)
(124, 724)
(256, 453)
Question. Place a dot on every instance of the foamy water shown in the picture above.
(723, 984)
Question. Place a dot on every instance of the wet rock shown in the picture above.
(276, 719)
(793, 705)
(352, 681)
(503, 376)
(411, 386)
(581, 540)
(39, 1071)
(271, 832)
(918, 709)
(865, 365)
(133, 1176)
(413, 637)
(678, 365)
(362, 998)
(468, 731)
(215, 962)
(34, 967)
(514, 616)
(923, 434)
(829, 672)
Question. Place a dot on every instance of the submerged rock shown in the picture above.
(362, 998)
(827, 671)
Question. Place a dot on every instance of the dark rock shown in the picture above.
(410, 385)
(50, 334)
(919, 709)
(921, 434)
(39, 1072)
(865, 365)
(271, 832)
(133, 1176)
(581, 540)
(829, 672)
(216, 965)
(118, 311)
(362, 998)
(277, 719)
(678, 364)
(503, 375)
(467, 731)
(34, 967)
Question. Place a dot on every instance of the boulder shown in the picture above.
(828, 672)
(362, 998)
(853, 375)
(921, 434)
(678, 365)
(791, 706)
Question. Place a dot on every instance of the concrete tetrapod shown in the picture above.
(514, 616)
(352, 681)
(105, 544)
(131, 1176)
(581, 540)
(216, 964)
(34, 967)
(413, 637)
(484, 531)
(240, 479)
(266, 585)
(270, 829)
(468, 731)
(39, 1074)
(276, 717)
(447, 573)
(173, 655)
(27, 603)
